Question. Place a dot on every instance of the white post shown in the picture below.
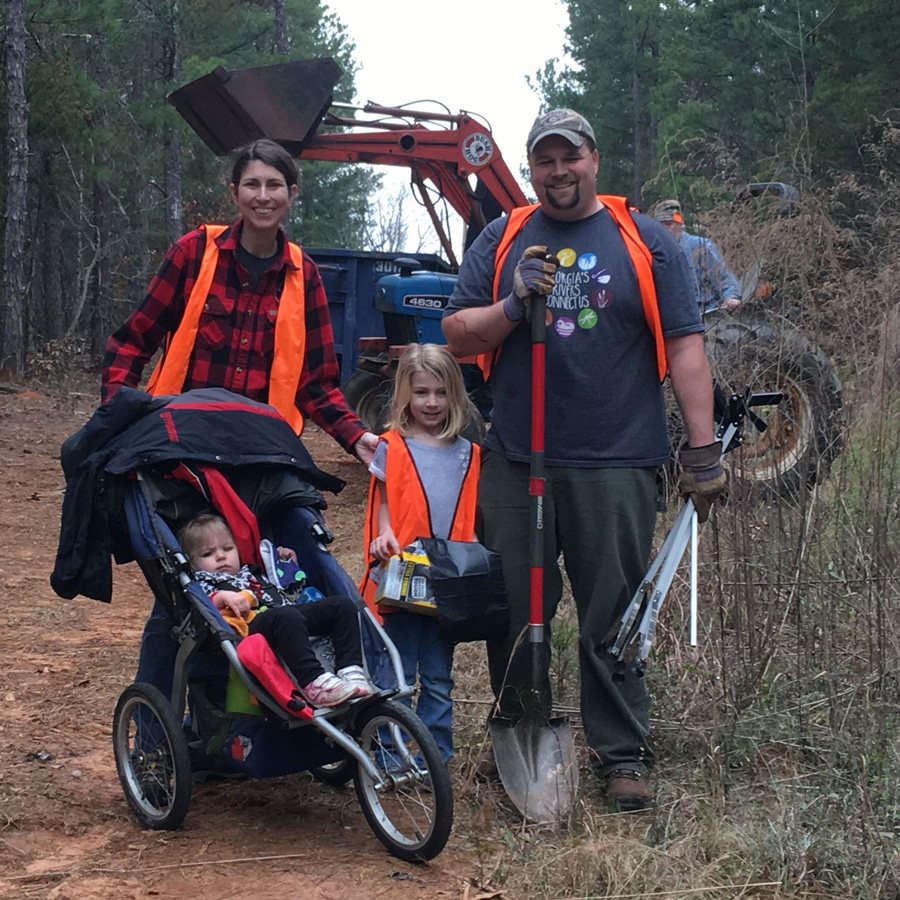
(694, 540)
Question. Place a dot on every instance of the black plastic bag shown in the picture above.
(467, 581)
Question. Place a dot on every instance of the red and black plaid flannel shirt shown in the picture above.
(236, 335)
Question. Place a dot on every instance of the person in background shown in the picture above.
(714, 284)
(238, 307)
(620, 315)
(424, 478)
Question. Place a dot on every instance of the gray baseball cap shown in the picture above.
(667, 211)
(567, 123)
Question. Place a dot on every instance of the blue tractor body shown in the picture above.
(412, 303)
(377, 300)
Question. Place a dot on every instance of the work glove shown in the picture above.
(702, 477)
(535, 274)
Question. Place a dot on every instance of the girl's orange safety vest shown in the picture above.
(641, 259)
(408, 504)
(290, 334)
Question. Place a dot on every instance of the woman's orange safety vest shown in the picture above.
(410, 515)
(290, 334)
(641, 259)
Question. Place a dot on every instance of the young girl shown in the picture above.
(424, 478)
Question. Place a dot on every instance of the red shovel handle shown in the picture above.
(536, 479)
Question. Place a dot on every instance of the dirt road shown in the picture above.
(66, 832)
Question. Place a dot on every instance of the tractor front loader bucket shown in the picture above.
(284, 102)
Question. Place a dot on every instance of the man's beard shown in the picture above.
(570, 204)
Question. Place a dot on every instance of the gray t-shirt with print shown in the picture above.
(441, 470)
(604, 403)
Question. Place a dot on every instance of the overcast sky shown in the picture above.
(470, 55)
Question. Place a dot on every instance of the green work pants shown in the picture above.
(601, 521)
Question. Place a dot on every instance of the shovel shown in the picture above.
(535, 755)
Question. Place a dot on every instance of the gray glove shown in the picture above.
(702, 477)
(535, 274)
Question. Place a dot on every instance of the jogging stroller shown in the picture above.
(139, 469)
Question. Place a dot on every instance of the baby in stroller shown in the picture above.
(136, 474)
(251, 604)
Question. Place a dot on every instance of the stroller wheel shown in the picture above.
(411, 809)
(152, 757)
(336, 774)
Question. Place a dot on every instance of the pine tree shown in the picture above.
(117, 175)
(12, 308)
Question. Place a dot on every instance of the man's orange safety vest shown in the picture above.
(408, 505)
(290, 334)
(641, 259)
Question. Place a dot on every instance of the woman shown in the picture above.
(219, 303)
(242, 308)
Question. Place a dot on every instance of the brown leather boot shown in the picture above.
(629, 790)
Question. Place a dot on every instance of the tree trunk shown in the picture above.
(172, 185)
(637, 159)
(48, 275)
(280, 43)
(171, 146)
(99, 299)
(101, 305)
(12, 310)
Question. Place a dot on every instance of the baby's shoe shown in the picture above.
(357, 677)
(329, 690)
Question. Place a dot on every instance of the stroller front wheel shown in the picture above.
(411, 809)
(152, 757)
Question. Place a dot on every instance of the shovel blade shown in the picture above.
(537, 765)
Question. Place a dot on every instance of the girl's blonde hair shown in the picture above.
(436, 360)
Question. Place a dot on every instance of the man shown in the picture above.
(608, 346)
(714, 284)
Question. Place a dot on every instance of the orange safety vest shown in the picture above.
(290, 334)
(410, 514)
(641, 259)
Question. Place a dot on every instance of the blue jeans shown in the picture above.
(422, 651)
(156, 663)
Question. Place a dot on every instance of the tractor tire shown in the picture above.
(369, 395)
(804, 433)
